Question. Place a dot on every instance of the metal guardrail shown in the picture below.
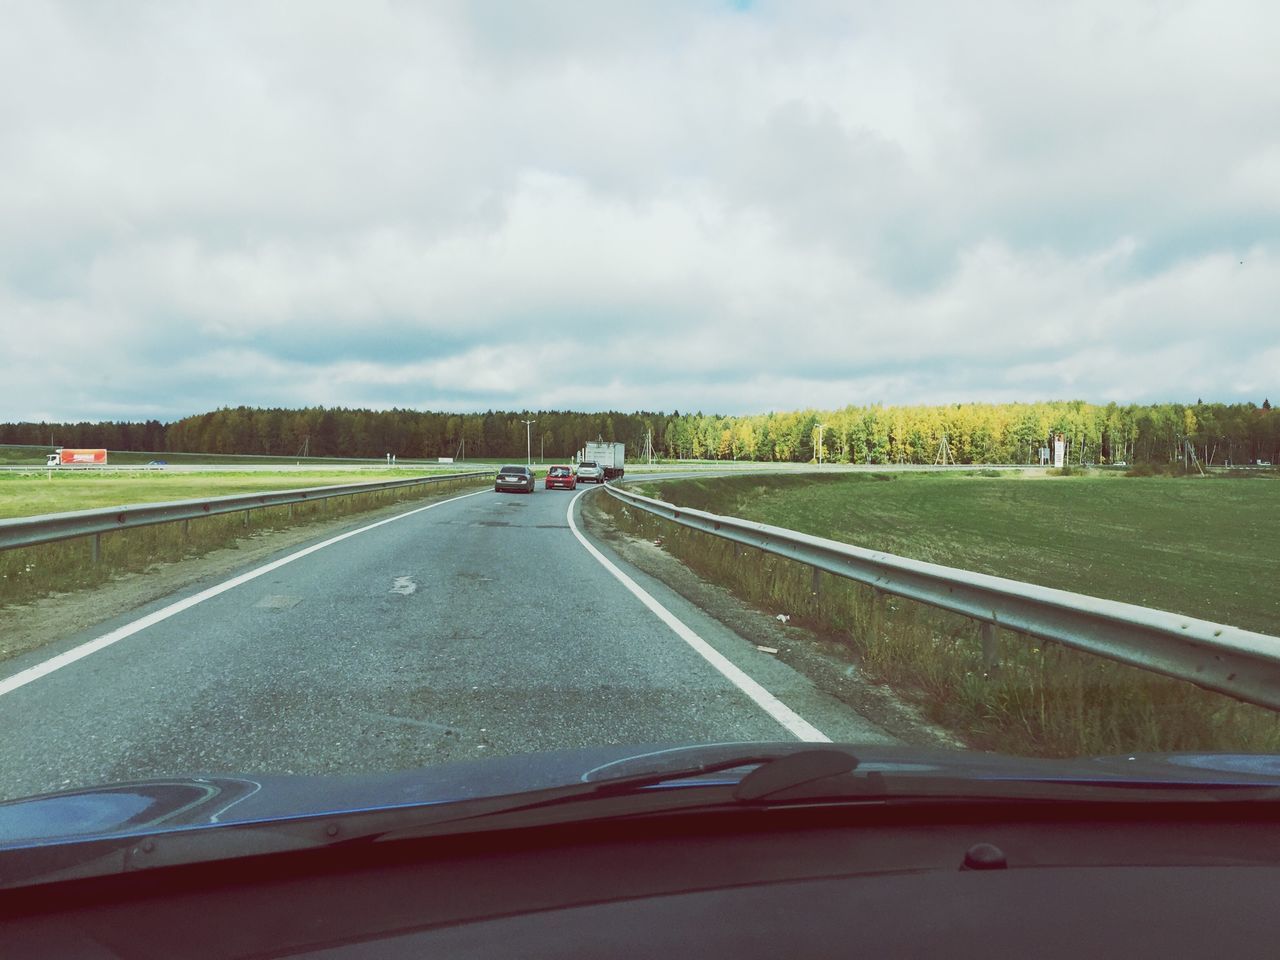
(48, 528)
(1239, 663)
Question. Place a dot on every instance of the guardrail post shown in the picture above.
(186, 529)
(990, 648)
(246, 518)
(291, 511)
(815, 588)
(97, 548)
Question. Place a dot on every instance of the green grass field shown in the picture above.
(32, 494)
(1206, 547)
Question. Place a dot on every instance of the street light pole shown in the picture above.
(821, 427)
(528, 441)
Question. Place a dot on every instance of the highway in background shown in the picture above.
(470, 628)
(212, 467)
(744, 466)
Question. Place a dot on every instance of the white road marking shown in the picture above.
(794, 724)
(404, 586)
(164, 613)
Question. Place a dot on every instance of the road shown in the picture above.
(478, 626)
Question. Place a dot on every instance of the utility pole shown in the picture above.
(1190, 455)
(944, 452)
(821, 427)
(528, 441)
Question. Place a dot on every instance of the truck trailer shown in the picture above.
(76, 457)
(610, 456)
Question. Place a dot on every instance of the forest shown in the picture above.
(1216, 433)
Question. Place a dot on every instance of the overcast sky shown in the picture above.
(716, 206)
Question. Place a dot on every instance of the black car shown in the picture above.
(515, 478)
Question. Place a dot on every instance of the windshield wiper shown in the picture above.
(620, 796)
(773, 774)
(804, 777)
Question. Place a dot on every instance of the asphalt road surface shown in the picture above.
(478, 626)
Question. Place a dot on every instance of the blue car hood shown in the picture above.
(146, 807)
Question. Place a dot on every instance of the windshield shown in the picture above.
(930, 358)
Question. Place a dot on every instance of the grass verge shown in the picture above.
(33, 494)
(1045, 700)
(1207, 548)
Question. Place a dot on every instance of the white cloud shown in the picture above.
(649, 205)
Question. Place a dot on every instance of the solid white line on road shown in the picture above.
(164, 613)
(795, 724)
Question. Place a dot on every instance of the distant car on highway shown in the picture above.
(517, 478)
(560, 476)
(589, 470)
(157, 463)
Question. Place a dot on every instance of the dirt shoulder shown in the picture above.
(28, 626)
(829, 665)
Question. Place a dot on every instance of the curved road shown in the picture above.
(475, 626)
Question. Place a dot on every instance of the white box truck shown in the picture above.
(609, 456)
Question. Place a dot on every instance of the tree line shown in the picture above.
(970, 432)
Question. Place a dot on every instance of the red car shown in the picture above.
(560, 476)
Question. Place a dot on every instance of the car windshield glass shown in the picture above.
(930, 356)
